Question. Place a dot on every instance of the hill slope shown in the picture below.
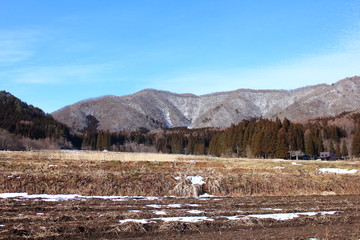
(154, 109)
(29, 124)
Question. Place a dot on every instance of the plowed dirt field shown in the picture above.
(302, 217)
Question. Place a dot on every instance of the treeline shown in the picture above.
(276, 139)
(25, 120)
(180, 140)
(261, 138)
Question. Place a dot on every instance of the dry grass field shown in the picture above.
(252, 197)
(148, 174)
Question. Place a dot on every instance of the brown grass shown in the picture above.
(107, 173)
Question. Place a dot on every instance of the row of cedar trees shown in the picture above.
(262, 138)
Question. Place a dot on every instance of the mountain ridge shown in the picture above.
(153, 109)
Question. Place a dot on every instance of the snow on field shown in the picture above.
(184, 219)
(53, 165)
(206, 195)
(287, 216)
(65, 197)
(1, 225)
(194, 211)
(278, 167)
(143, 221)
(135, 211)
(294, 163)
(275, 216)
(273, 209)
(337, 170)
(196, 180)
(193, 205)
(164, 206)
(12, 195)
(159, 212)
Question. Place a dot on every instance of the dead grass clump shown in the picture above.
(132, 227)
(186, 189)
(173, 226)
(213, 183)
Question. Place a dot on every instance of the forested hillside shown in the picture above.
(27, 121)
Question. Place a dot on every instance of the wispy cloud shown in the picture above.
(65, 74)
(326, 66)
(17, 45)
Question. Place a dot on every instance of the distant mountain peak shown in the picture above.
(152, 109)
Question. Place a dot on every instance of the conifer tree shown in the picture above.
(344, 149)
(282, 147)
(337, 149)
(355, 148)
(310, 145)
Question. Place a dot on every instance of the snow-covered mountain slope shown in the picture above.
(153, 109)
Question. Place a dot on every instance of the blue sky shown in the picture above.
(55, 53)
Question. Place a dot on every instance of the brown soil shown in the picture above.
(100, 219)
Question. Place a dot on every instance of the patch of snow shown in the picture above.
(135, 211)
(193, 205)
(2, 225)
(194, 211)
(177, 178)
(236, 217)
(53, 198)
(167, 119)
(159, 212)
(143, 221)
(184, 219)
(12, 195)
(164, 206)
(274, 209)
(39, 213)
(174, 205)
(278, 167)
(149, 198)
(277, 216)
(337, 170)
(52, 165)
(65, 197)
(196, 180)
(288, 216)
(294, 163)
(206, 195)
(154, 205)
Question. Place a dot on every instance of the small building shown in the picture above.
(327, 156)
